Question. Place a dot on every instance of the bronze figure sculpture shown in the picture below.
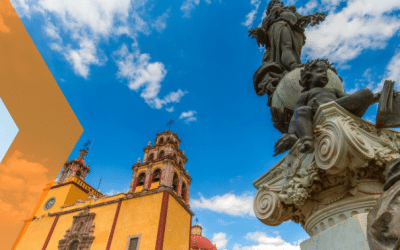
(282, 34)
(339, 169)
(314, 78)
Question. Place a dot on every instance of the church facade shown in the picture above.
(153, 214)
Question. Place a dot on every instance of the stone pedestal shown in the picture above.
(350, 234)
(343, 177)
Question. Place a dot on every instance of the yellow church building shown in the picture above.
(153, 214)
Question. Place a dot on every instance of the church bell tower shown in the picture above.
(163, 166)
(75, 167)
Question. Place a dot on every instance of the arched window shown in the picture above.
(74, 245)
(161, 141)
(78, 173)
(151, 157)
(162, 153)
(175, 182)
(156, 175)
(184, 191)
(142, 178)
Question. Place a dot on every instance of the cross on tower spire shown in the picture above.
(169, 124)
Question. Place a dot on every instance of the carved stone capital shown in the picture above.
(342, 177)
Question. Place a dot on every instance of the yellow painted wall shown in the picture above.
(139, 189)
(36, 234)
(138, 216)
(60, 193)
(156, 166)
(103, 220)
(63, 223)
(154, 185)
(177, 227)
(103, 223)
(74, 195)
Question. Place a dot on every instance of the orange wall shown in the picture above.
(138, 216)
(177, 227)
(36, 234)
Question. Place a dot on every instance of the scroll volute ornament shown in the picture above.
(268, 207)
(81, 231)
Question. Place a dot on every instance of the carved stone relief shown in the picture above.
(342, 177)
(81, 231)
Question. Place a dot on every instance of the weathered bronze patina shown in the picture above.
(282, 34)
(314, 78)
(383, 223)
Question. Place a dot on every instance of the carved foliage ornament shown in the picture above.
(81, 231)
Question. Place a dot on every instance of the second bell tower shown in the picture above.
(163, 166)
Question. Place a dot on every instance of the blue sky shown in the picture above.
(127, 67)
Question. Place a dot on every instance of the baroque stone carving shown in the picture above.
(81, 231)
(342, 177)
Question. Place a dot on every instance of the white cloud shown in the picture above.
(361, 25)
(143, 75)
(114, 192)
(188, 6)
(252, 14)
(227, 203)
(309, 7)
(188, 116)
(170, 109)
(160, 23)
(392, 72)
(220, 240)
(87, 24)
(82, 58)
(290, 2)
(52, 31)
(265, 242)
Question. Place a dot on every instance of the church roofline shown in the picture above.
(82, 185)
(127, 197)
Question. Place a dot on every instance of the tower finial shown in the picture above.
(169, 124)
(138, 160)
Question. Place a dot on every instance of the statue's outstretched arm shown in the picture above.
(312, 19)
(261, 35)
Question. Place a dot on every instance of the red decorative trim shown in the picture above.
(163, 221)
(135, 184)
(150, 181)
(190, 230)
(50, 233)
(113, 226)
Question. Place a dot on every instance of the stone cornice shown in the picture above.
(157, 145)
(168, 132)
(127, 197)
(81, 164)
(89, 189)
(162, 159)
